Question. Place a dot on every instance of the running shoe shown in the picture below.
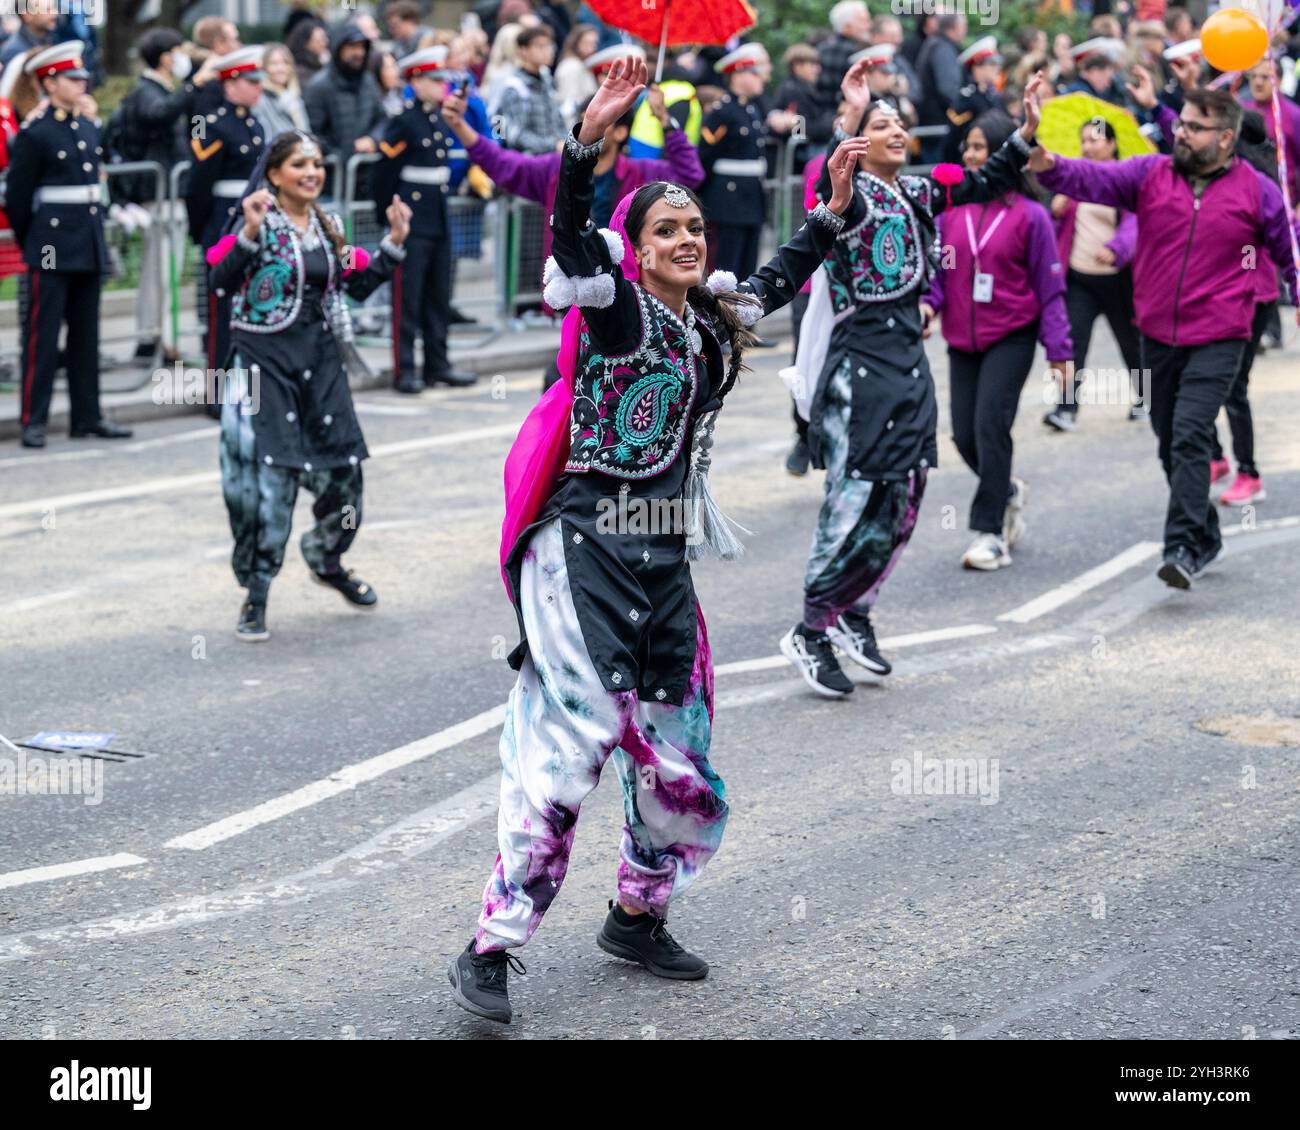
(1245, 489)
(478, 982)
(354, 589)
(1178, 567)
(814, 658)
(644, 938)
(1219, 469)
(987, 552)
(1061, 420)
(853, 634)
(1013, 521)
(252, 623)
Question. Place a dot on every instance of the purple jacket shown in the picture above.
(1290, 128)
(1193, 279)
(1028, 282)
(1123, 244)
(535, 176)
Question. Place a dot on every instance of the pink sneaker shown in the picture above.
(1244, 490)
(1219, 469)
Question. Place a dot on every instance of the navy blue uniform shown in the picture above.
(735, 161)
(963, 113)
(55, 204)
(416, 152)
(223, 161)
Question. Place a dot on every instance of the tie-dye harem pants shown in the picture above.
(863, 526)
(561, 727)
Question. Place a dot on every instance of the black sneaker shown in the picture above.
(354, 590)
(478, 982)
(1179, 568)
(409, 384)
(853, 634)
(644, 938)
(453, 377)
(252, 623)
(796, 463)
(814, 658)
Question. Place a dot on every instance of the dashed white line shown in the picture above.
(30, 602)
(1063, 594)
(913, 639)
(68, 870)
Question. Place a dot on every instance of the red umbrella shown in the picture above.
(693, 21)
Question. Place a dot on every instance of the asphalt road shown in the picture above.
(302, 850)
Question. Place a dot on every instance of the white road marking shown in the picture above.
(67, 870)
(149, 487)
(211, 432)
(389, 409)
(913, 639)
(1260, 526)
(53, 456)
(30, 602)
(342, 781)
(1063, 594)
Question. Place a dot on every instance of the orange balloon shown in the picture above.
(1233, 40)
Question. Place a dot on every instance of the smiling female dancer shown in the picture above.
(287, 420)
(862, 380)
(614, 658)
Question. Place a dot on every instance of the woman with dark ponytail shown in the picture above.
(1001, 292)
(287, 417)
(606, 501)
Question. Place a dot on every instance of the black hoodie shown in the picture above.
(343, 105)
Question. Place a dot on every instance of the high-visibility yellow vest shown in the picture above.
(647, 138)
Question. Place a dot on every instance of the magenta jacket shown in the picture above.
(1290, 127)
(1028, 281)
(1193, 282)
(535, 176)
(1123, 244)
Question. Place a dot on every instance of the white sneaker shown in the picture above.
(987, 552)
(1013, 522)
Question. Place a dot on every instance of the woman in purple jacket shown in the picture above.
(1095, 243)
(1001, 291)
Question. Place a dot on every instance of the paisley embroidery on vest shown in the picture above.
(882, 258)
(630, 412)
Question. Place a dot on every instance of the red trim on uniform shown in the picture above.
(423, 69)
(235, 72)
(747, 65)
(29, 375)
(980, 57)
(397, 326)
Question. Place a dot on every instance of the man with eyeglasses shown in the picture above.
(1204, 216)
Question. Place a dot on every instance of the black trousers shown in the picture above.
(54, 297)
(1240, 421)
(1088, 297)
(984, 395)
(736, 248)
(1188, 387)
(422, 306)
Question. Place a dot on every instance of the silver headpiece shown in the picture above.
(307, 145)
(676, 196)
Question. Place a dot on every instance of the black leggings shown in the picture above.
(1088, 297)
(1240, 421)
(984, 395)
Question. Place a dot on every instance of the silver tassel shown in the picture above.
(707, 527)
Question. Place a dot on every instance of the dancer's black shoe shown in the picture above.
(853, 634)
(252, 623)
(1178, 568)
(814, 658)
(644, 938)
(796, 463)
(478, 982)
(354, 589)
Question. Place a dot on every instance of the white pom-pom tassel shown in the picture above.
(597, 291)
(558, 291)
(749, 312)
(614, 242)
(720, 282)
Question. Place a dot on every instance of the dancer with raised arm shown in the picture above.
(862, 380)
(614, 656)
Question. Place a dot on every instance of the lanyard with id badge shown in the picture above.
(982, 286)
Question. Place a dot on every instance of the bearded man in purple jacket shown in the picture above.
(1204, 217)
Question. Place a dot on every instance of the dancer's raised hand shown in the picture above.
(621, 88)
(843, 163)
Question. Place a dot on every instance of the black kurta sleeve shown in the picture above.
(383, 264)
(995, 179)
(585, 273)
(227, 273)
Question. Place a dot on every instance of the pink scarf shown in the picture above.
(541, 449)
